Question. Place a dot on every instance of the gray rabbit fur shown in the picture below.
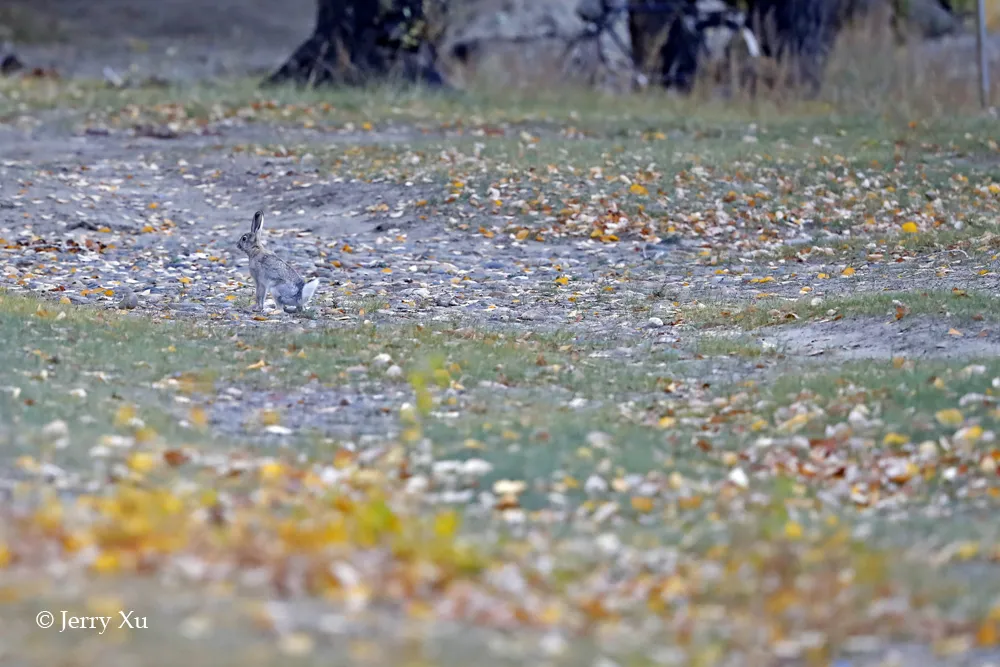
(273, 275)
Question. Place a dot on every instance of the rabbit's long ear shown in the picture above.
(258, 220)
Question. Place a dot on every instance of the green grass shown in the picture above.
(459, 111)
(956, 305)
(742, 346)
(55, 350)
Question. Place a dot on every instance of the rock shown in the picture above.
(127, 299)
(595, 484)
(929, 19)
(521, 41)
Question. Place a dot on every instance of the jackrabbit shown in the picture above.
(273, 275)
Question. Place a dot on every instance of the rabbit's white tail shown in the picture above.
(308, 290)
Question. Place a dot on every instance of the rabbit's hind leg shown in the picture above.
(287, 296)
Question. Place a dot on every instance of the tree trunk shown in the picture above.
(357, 42)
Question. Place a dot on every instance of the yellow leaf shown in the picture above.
(199, 417)
(446, 523)
(910, 227)
(521, 235)
(667, 422)
(894, 439)
(970, 435)
(124, 415)
(5, 555)
(270, 417)
(106, 562)
(848, 272)
(793, 531)
(153, 204)
(271, 471)
(794, 424)
(967, 550)
(562, 280)
(142, 462)
(949, 417)
(637, 189)
(65, 301)
(259, 364)
(184, 279)
(954, 332)
(689, 502)
(144, 435)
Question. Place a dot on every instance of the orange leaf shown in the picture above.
(642, 504)
(175, 457)
(987, 634)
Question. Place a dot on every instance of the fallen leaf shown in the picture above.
(949, 417)
(642, 503)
